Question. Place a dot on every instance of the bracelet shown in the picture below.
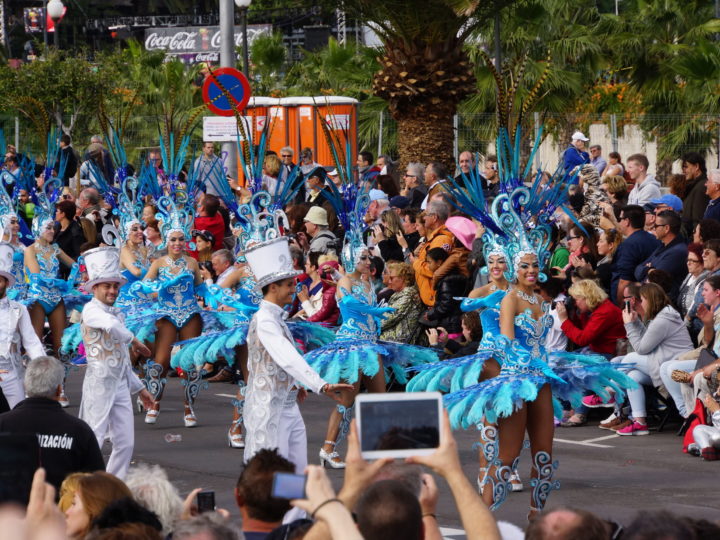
(319, 506)
(430, 514)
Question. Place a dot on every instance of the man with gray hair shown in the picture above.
(436, 235)
(435, 176)
(67, 444)
(415, 188)
(222, 262)
(90, 208)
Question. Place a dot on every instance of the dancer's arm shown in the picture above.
(284, 354)
(31, 260)
(508, 310)
(94, 317)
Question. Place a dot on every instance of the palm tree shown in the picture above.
(425, 71)
(670, 55)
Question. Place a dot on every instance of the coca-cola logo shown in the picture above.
(195, 39)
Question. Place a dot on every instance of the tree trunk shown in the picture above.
(427, 134)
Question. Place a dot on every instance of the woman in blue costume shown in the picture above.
(176, 279)
(520, 397)
(11, 227)
(356, 355)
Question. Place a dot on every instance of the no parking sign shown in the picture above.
(225, 91)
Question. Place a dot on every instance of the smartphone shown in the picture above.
(627, 306)
(398, 425)
(288, 486)
(206, 501)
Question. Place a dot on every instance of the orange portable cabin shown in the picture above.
(296, 122)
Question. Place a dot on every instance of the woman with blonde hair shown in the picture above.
(402, 324)
(92, 493)
(595, 326)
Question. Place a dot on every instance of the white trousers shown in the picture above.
(120, 426)
(292, 438)
(12, 387)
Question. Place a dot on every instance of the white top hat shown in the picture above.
(271, 261)
(103, 265)
(6, 263)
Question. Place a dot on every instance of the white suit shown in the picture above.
(15, 330)
(109, 382)
(272, 416)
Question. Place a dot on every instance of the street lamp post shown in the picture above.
(244, 5)
(55, 10)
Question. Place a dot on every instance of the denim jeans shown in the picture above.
(639, 373)
(674, 388)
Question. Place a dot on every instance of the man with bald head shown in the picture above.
(466, 162)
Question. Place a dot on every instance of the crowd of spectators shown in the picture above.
(634, 277)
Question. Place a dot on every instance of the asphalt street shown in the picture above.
(610, 475)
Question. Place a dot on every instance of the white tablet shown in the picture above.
(398, 425)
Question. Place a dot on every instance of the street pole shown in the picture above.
(227, 59)
(56, 35)
(246, 57)
(45, 16)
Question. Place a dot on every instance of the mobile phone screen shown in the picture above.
(288, 486)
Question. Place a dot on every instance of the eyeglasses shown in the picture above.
(573, 237)
(696, 261)
(659, 225)
(285, 155)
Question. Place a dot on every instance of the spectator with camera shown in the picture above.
(596, 327)
(322, 239)
(318, 299)
(660, 336)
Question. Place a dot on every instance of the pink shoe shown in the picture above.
(636, 428)
(595, 401)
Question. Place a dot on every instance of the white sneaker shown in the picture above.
(610, 418)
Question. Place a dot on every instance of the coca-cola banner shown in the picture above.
(196, 40)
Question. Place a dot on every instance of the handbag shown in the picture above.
(706, 358)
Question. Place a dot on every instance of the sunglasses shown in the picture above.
(285, 155)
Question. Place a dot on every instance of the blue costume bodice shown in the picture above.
(176, 295)
(44, 286)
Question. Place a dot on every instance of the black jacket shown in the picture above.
(694, 204)
(67, 444)
(446, 311)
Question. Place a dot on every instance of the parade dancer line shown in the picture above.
(109, 380)
(272, 415)
(15, 329)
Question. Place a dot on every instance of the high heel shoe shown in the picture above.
(151, 415)
(236, 440)
(331, 459)
(482, 479)
(189, 418)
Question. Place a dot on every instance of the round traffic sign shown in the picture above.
(234, 83)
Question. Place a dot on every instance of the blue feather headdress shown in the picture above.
(520, 218)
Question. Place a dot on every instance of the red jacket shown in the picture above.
(329, 313)
(600, 329)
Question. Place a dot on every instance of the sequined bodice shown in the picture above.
(172, 269)
(47, 258)
(18, 266)
(354, 306)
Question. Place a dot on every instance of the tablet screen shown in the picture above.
(399, 425)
